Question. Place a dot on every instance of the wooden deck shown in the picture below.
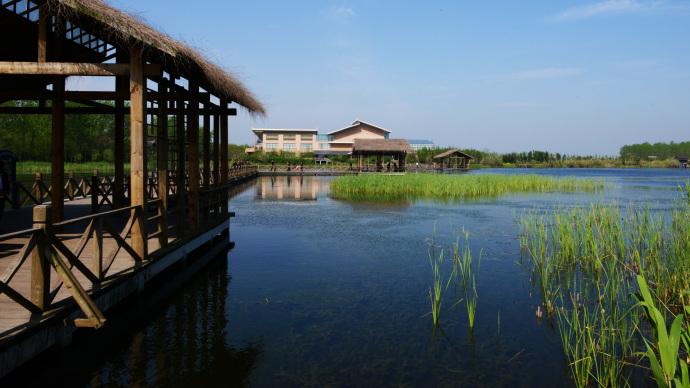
(13, 316)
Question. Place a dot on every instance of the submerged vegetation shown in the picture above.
(451, 187)
(588, 265)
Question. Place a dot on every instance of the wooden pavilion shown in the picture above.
(396, 149)
(166, 89)
(452, 160)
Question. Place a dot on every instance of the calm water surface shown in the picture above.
(325, 292)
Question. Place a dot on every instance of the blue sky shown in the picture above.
(569, 77)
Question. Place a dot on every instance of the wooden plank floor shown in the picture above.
(13, 317)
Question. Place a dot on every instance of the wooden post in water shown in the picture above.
(40, 269)
(162, 162)
(137, 187)
(193, 148)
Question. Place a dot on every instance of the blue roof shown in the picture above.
(420, 142)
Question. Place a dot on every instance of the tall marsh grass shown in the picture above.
(451, 187)
(585, 263)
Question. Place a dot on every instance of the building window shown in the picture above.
(323, 146)
(288, 137)
(271, 137)
(324, 138)
(306, 147)
(305, 137)
(271, 146)
(289, 147)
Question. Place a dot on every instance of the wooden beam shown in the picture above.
(137, 187)
(37, 110)
(69, 68)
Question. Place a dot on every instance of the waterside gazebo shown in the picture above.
(452, 160)
(168, 92)
(396, 149)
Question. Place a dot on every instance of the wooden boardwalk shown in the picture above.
(13, 316)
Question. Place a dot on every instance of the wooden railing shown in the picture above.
(60, 263)
(100, 188)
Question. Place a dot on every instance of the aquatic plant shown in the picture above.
(440, 283)
(451, 187)
(471, 303)
(584, 262)
(668, 368)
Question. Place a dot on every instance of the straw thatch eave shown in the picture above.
(124, 30)
(381, 146)
(456, 152)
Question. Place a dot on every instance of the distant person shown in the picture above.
(388, 166)
(273, 166)
(4, 187)
(289, 166)
(350, 166)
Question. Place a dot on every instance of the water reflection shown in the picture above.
(167, 338)
(290, 188)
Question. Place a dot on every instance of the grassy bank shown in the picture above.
(451, 187)
(31, 167)
(584, 264)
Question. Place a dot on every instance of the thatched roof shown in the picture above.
(381, 146)
(455, 152)
(126, 30)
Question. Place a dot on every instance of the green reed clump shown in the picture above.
(451, 187)
(584, 262)
(440, 283)
(462, 266)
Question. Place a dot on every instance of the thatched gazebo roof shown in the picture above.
(454, 152)
(373, 146)
(124, 30)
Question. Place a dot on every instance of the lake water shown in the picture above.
(325, 292)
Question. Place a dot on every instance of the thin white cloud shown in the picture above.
(518, 105)
(343, 12)
(609, 7)
(547, 73)
(602, 8)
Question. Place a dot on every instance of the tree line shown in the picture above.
(647, 151)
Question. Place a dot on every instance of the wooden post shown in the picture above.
(207, 149)
(121, 85)
(223, 157)
(224, 135)
(193, 150)
(95, 191)
(180, 176)
(57, 148)
(216, 149)
(43, 20)
(40, 269)
(97, 237)
(137, 187)
(162, 162)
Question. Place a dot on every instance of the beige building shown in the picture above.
(343, 139)
(309, 140)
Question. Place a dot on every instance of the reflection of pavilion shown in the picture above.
(288, 188)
